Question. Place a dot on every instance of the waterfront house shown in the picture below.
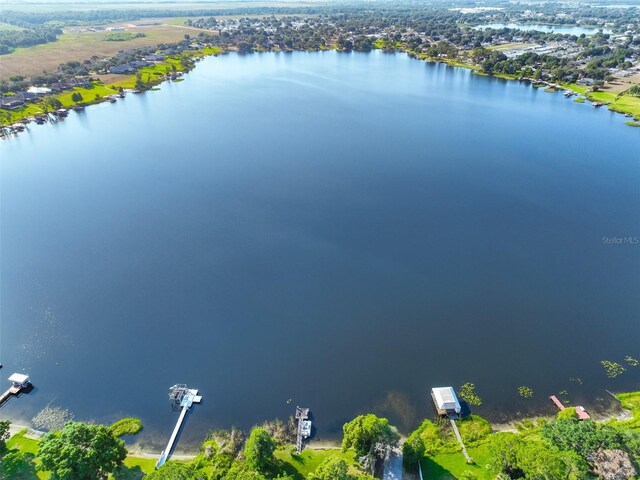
(140, 64)
(154, 58)
(446, 401)
(27, 96)
(122, 69)
(11, 102)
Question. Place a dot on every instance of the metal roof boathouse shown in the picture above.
(446, 401)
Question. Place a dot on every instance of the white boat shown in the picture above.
(306, 428)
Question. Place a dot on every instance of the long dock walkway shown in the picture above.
(187, 398)
(11, 392)
(302, 414)
(464, 449)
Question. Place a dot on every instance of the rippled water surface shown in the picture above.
(340, 231)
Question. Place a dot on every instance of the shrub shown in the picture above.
(474, 428)
(568, 413)
(126, 426)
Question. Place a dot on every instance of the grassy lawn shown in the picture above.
(447, 466)
(615, 101)
(20, 442)
(631, 401)
(134, 468)
(305, 463)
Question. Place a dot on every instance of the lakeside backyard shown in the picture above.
(441, 460)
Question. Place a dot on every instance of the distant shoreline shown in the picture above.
(125, 86)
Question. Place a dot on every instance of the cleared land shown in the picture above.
(80, 46)
(620, 84)
(511, 46)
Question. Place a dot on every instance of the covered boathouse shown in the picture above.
(446, 402)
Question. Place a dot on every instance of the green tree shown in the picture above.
(332, 468)
(140, 85)
(4, 433)
(243, 472)
(567, 413)
(582, 437)
(503, 454)
(413, 450)
(259, 449)
(81, 452)
(17, 466)
(371, 437)
(177, 471)
(538, 462)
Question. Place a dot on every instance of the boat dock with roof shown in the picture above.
(20, 384)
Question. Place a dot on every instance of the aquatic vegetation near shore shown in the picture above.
(613, 369)
(576, 380)
(525, 392)
(51, 418)
(126, 426)
(633, 362)
(469, 395)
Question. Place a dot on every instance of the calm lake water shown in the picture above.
(564, 29)
(340, 231)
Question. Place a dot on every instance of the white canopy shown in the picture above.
(19, 378)
(446, 399)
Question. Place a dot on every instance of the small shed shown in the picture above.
(445, 401)
(19, 380)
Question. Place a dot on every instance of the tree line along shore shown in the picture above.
(90, 90)
(560, 447)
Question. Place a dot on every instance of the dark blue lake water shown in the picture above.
(343, 231)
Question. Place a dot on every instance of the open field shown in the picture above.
(511, 46)
(6, 26)
(80, 46)
(620, 84)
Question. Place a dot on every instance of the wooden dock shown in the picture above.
(11, 392)
(183, 397)
(302, 414)
(459, 437)
(580, 411)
